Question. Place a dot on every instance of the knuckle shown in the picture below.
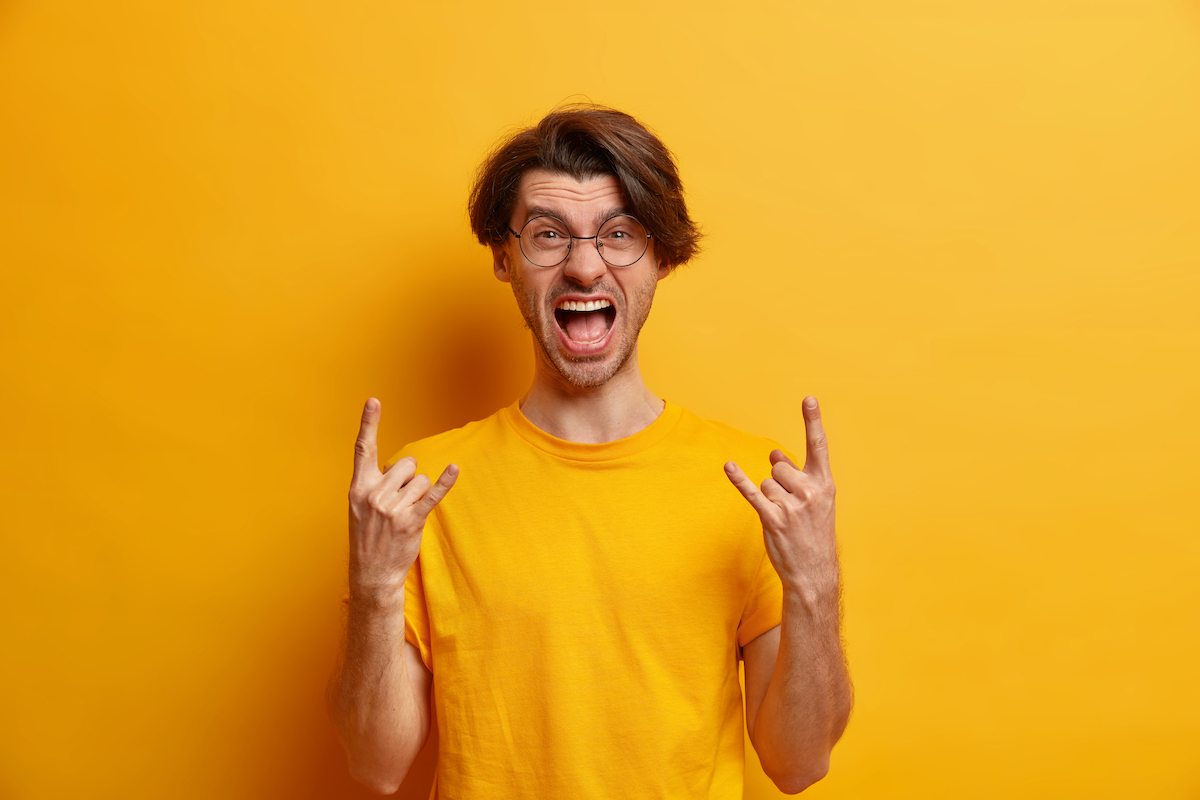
(406, 465)
(819, 442)
(360, 448)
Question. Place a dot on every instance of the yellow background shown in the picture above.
(972, 229)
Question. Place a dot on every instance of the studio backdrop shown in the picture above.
(972, 229)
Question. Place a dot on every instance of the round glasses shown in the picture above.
(547, 242)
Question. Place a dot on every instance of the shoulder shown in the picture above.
(456, 443)
(711, 434)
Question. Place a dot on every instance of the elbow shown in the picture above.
(381, 776)
(375, 780)
(381, 766)
(384, 787)
(797, 780)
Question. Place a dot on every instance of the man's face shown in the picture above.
(587, 348)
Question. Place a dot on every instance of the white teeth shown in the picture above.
(590, 305)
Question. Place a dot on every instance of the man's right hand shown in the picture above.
(387, 516)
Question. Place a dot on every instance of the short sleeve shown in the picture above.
(764, 606)
(416, 614)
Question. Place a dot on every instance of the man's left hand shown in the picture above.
(796, 507)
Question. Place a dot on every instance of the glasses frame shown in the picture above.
(573, 237)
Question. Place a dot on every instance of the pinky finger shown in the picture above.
(438, 491)
(749, 491)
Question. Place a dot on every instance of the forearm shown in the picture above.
(807, 703)
(375, 703)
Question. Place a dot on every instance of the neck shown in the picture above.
(620, 408)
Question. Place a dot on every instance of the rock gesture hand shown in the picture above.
(387, 514)
(796, 508)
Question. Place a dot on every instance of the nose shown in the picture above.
(584, 264)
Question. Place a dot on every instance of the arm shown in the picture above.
(798, 691)
(798, 696)
(380, 701)
(379, 694)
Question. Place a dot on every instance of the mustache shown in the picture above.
(611, 291)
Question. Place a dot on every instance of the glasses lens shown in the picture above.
(545, 241)
(622, 241)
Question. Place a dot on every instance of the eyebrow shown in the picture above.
(542, 211)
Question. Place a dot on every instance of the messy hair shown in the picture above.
(586, 141)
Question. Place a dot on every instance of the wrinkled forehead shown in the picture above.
(576, 202)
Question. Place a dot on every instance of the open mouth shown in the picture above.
(585, 324)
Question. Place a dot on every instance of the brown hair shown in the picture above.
(587, 141)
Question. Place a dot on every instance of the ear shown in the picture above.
(664, 269)
(500, 263)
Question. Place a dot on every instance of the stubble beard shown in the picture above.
(586, 372)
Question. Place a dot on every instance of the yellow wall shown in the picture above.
(972, 229)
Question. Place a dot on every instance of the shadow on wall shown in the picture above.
(468, 358)
(477, 361)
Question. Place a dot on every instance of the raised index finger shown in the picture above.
(816, 459)
(366, 456)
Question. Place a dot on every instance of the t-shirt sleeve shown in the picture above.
(764, 606)
(416, 614)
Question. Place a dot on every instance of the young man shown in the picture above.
(583, 596)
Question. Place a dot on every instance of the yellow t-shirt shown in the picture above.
(582, 606)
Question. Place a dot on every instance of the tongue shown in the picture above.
(585, 326)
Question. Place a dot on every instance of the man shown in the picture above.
(582, 598)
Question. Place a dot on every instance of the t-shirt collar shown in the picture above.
(605, 451)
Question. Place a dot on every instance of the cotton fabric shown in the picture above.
(582, 608)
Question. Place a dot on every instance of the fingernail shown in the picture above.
(811, 402)
(372, 404)
(730, 467)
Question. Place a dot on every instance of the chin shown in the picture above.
(589, 377)
(587, 372)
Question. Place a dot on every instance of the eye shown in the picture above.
(620, 236)
(545, 231)
(622, 232)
